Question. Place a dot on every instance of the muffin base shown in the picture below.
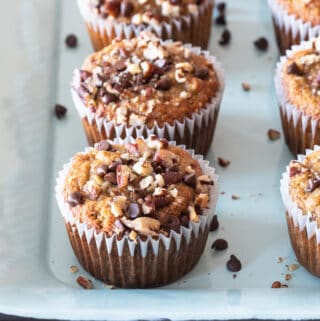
(193, 29)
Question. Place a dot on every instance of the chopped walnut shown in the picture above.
(118, 205)
(143, 225)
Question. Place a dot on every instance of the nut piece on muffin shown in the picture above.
(177, 20)
(295, 21)
(146, 84)
(142, 191)
(298, 90)
(301, 195)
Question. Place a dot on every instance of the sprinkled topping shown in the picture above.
(147, 187)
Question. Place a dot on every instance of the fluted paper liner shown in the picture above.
(289, 29)
(303, 230)
(196, 132)
(139, 264)
(301, 130)
(193, 28)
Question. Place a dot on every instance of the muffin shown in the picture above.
(295, 21)
(186, 20)
(144, 86)
(300, 188)
(297, 83)
(137, 212)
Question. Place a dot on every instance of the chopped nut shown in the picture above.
(159, 180)
(166, 157)
(223, 162)
(246, 86)
(288, 277)
(235, 197)
(84, 282)
(293, 267)
(185, 66)
(146, 182)
(143, 225)
(123, 175)
(133, 235)
(273, 134)
(193, 214)
(118, 205)
(73, 269)
(143, 168)
(202, 200)
(92, 190)
(173, 192)
(276, 285)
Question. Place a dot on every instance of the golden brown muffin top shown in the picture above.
(145, 81)
(306, 10)
(300, 78)
(147, 12)
(140, 188)
(305, 184)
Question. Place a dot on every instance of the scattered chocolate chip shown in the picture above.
(71, 41)
(202, 73)
(221, 20)
(221, 6)
(294, 69)
(234, 265)
(158, 167)
(173, 168)
(123, 81)
(120, 65)
(127, 8)
(294, 171)
(214, 224)
(84, 282)
(161, 200)
(102, 170)
(246, 86)
(235, 197)
(172, 222)
(225, 38)
(172, 178)
(261, 44)
(288, 277)
(223, 162)
(111, 178)
(219, 245)
(190, 180)
(273, 134)
(114, 165)
(163, 84)
(276, 285)
(60, 111)
(103, 145)
(75, 199)
(108, 98)
(313, 184)
(134, 210)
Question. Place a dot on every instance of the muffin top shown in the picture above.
(301, 79)
(306, 10)
(305, 184)
(144, 81)
(142, 188)
(149, 12)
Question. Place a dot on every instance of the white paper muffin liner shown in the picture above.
(290, 30)
(194, 28)
(161, 250)
(303, 229)
(195, 132)
(301, 130)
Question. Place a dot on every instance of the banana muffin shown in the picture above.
(143, 85)
(137, 212)
(300, 188)
(186, 20)
(298, 89)
(295, 21)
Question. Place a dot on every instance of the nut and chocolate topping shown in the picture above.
(304, 184)
(144, 81)
(140, 188)
(300, 78)
(148, 12)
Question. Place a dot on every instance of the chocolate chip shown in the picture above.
(202, 73)
(71, 41)
(221, 6)
(221, 20)
(113, 7)
(246, 86)
(158, 167)
(184, 220)
(111, 178)
(235, 197)
(161, 200)
(294, 69)
(294, 171)
(214, 224)
(103, 145)
(172, 178)
(225, 38)
(313, 184)
(163, 84)
(75, 199)
(273, 134)
(261, 44)
(120, 65)
(84, 75)
(234, 265)
(219, 245)
(114, 165)
(190, 180)
(122, 82)
(223, 162)
(175, 2)
(108, 98)
(172, 222)
(102, 170)
(127, 8)
(83, 92)
(60, 111)
(134, 210)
